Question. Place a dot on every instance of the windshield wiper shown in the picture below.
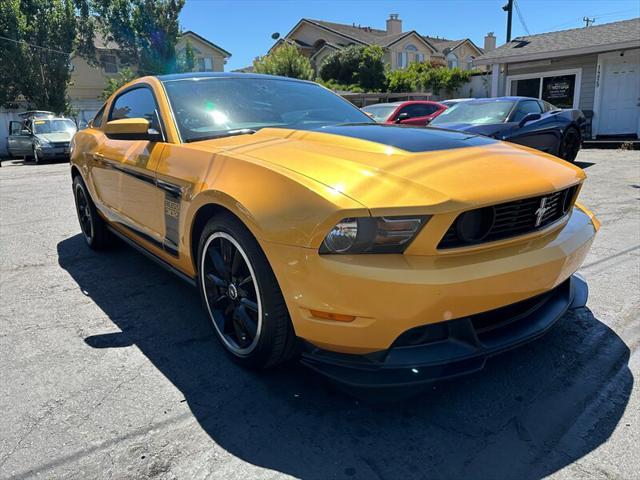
(228, 133)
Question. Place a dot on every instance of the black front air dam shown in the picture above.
(467, 344)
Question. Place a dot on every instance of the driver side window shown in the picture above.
(524, 108)
(136, 103)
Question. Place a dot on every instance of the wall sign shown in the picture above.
(559, 90)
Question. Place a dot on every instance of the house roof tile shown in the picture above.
(374, 36)
(576, 38)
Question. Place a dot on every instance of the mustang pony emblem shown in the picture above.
(541, 211)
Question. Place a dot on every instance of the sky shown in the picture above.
(244, 27)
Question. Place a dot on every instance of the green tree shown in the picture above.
(145, 30)
(286, 61)
(124, 76)
(355, 65)
(424, 77)
(41, 36)
(186, 60)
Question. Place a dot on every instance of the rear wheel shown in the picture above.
(94, 228)
(241, 295)
(570, 144)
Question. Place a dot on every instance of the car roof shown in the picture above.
(36, 113)
(501, 99)
(383, 104)
(404, 102)
(239, 75)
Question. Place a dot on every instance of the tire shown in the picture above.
(93, 227)
(570, 144)
(250, 318)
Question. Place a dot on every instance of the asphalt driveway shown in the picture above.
(108, 369)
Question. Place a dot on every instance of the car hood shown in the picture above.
(389, 167)
(488, 129)
(55, 137)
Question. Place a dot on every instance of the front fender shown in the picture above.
(275, 204)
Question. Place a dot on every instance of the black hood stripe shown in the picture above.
(411, 139)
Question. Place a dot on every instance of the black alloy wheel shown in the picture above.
(84, 213)
(231, 293)
(93, 227)
(570, 144)
(241, 295)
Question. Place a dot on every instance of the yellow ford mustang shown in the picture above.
(382, 255)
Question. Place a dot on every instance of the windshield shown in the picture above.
(475, 113)
(57, 125)
(379, 113)
(210, 107)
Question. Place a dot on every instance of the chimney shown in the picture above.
(489, 42)
(394, 24)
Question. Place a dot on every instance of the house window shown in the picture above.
(469, 60)
(205, 64)
(558, 88)
(109, 63)
(452, 60)
(409, 54)
(529, 87)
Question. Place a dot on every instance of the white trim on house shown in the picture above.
(555, 73)
(562, 53)
(495, 79)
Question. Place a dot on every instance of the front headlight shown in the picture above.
(372, 234)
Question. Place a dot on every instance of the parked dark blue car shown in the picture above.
(527, 121)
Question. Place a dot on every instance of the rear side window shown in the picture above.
(137, 103)
(523, 108)
(419, 110)
(97, 120)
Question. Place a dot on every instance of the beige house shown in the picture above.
(317, 39)
(88, 82)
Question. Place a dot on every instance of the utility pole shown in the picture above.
(509, 9)
(588, 21)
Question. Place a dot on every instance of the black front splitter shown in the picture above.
(469, 342)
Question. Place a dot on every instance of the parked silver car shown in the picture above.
(40, 135)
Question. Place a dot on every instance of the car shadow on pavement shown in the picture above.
(529, 413)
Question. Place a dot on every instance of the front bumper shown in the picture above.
(457, 347)
(54, 152)
(391, 294)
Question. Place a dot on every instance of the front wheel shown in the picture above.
(241, 295)
(570, 144)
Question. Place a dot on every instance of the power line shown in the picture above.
(70, 55)
(521, 18)
(35, 46)
(576, 20)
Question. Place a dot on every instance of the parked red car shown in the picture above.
(413, 112)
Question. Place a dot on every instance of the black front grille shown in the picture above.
(516, 218)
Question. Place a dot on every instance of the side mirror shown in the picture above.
(402, 116)
(529, 117)
(132, 129)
